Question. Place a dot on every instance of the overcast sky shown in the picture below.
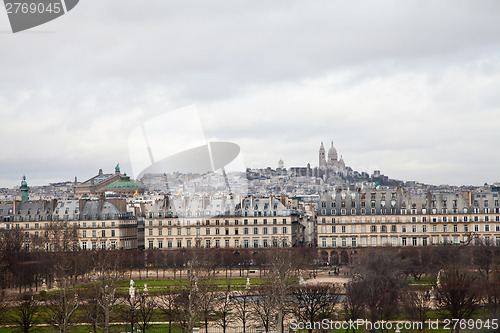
(407, 87)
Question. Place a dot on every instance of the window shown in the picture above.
(179, 231)
(245, 243)
(445, 228)
(343, 229)
(179, 243)
(466, 228)
(169, 244)
(236, 243)
(414, 241)
(150, 245)
(245, 231)
(188, 231)
(403, 241)
(264, 230)
(160, 244)
(84, 233)
(487, 227)
(285, 231)
(255, 231)
(217, 243)
(84, 245)
(207, 243)
(103, 233)
(226, 243)
(207, 231)
(354, 242)
(334, 242)
(344, 241)
(323, 242)
(476, 228)
(94, 233)
(150, 232)
(160, 232)
(403, 228)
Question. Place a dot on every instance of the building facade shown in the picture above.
(65, 225)
(392, 217)
(221, 222)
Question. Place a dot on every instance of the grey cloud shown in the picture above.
(386, 81)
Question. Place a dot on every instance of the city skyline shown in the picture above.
(410, 90)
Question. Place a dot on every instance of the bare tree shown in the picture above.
(167, 305)
(354, 305)
(207, 301)
(380, 275)
(62, 305)
(91, 311)
(264, 308)
(107, 268)
(146, 306)
(224, 308)
(26, 313)
(188, 303)
(417, 303)
(242, 308)
(457, 293)
(282, 268)
(3, 306)
(313, 303)
(482, 257)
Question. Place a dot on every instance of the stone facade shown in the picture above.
(392, 217)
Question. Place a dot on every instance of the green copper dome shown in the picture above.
(124, 182)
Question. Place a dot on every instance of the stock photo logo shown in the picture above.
(26, 14)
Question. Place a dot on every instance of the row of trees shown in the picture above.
(26, 270)
(198, 299)
(459, 282)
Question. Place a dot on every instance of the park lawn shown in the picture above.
(181, 282)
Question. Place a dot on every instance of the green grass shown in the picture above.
(181, 282)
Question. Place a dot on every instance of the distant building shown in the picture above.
(221, 222)
(116, 183)
(392, 217)
(71, 224)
